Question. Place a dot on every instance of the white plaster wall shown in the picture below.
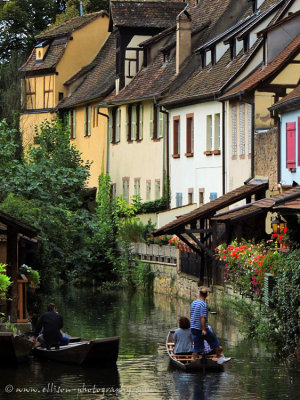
(288, 177)
(258, 28)
(238, 46)
(138, 159)
(199, 171)
(294, 7)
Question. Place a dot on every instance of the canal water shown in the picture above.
(142, 321)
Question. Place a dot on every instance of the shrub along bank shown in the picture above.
(275, 322)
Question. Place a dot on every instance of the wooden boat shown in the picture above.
(186, 362)
(100, 352)
(14, 348)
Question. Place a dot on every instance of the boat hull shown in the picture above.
(186, 363)
(100, 352)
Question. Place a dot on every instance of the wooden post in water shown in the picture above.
(12, 271)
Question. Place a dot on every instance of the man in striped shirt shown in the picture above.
(200, 330)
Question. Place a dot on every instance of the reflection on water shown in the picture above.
(142, 321)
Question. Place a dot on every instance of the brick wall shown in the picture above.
(265, 156)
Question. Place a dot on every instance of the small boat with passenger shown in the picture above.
(187, 363)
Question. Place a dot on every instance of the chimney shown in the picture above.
(183, 38)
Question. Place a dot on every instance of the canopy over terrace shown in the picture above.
(249, 220)
(14, 230)
(195, 229)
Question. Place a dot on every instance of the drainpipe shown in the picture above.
(223, 150)
(166, 157)
(252, 104)
(107, 138)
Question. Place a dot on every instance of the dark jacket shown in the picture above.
(50, 324)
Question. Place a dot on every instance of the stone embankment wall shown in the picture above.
(164, 262)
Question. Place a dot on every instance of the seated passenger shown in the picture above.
(183, 337)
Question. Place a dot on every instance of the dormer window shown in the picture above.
(166, 57)
(203, 59)
(213, 55)
(232, 49)
(246, 43)
(41, 50)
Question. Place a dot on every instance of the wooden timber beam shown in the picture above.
(201, 245)
(194, 248)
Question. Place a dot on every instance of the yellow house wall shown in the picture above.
(142, 159)
(80, 51)
(28, 122)
(93, 147)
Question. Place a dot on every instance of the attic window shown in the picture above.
(166, 57)
(232, 49)
(246, 44)
(213, 55)
(203, 59)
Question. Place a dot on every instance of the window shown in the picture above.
(133, 61)
(176, 137)
(201, 197)
(234, 131)
(291, 145)
(126, 189)
(246, 44)
(87, 120)
(154, 132)
(213, 55)
(189, 135)
(139, 122)
(217, 132)
(209, 135)
(232, 49)
(203, 59)
(249, 127)
(148, 190)
(190, 196)
(162, 125)
(72, 124)
(137, 186)
(242, 129)
(157, 188)
(114, 122)
(178, 199)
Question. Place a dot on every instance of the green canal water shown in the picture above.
(142, 321)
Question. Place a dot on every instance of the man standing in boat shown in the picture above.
(50, 325)
(200, 330)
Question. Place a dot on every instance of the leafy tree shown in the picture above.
(72, 9)
(22, 20)
(4, 281)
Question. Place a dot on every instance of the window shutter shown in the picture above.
(208, 132)
(84, 122)
(118, 124)
(110, 124)
(141, 122)
(89, 120)
(162, 124)
(151, 120)
(298, 140)
(291, 145)
(133, 123)
(128, 110)
(74, 123)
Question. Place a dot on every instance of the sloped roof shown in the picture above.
(54, 53)
(209, 209)
(289, 199)
(264, 72)
(144, 14)
(70, 26)
(286, 102)
(99, 78)
(208, 82)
